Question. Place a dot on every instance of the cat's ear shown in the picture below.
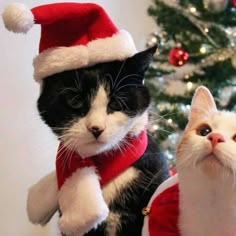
(202, 105)
(141, 61)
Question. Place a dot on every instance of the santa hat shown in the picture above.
(73, 35)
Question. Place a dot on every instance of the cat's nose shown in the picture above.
(215, 138)
(96, 131)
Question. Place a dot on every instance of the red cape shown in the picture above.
(162, 219)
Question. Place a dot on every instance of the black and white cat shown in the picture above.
(92, 110)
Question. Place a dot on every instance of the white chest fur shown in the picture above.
(207, 206)
(111, 190)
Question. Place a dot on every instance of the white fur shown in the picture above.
(42, 213)
(18, 18)
(207, 180)
(42, 200)
(203, 104)
(58, 59)
(81, 202)
(111, 189)
(98, 111)
(116, 125)
(207, 206)
(112, 223)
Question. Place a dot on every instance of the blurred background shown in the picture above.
(27, 147)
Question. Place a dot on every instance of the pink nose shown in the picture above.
(215, 138)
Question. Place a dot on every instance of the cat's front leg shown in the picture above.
(81, 203)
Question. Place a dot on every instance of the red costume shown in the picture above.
(163, 210)
(108, 165)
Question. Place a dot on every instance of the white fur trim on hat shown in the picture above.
(59, 59)
(18, 18)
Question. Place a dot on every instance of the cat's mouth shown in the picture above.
(97, 141)
(212, 158)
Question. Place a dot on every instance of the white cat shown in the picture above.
(201, 199)
(206, 163)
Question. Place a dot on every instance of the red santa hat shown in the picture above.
(73, 35)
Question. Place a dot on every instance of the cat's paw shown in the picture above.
(79, 223)
(81, 202)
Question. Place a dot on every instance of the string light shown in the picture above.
(155, 127)
(221, 58)
(189, 86)
(186, 77)
(203, 50)
(192, 9)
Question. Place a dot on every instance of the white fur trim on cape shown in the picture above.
(42, 200)
(59, 59)
(165, 185)
(18, 18)
(81, 202)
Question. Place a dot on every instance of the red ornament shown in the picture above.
(178, 56)
(233, 2)
(172, 170)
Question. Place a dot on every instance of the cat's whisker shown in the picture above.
(160, 118)
(59, 128)
(147, 182)
(42, 112)
(122, 102)
(77, 80)
(75, 97)
(62, 150)
(234, 177)
(159, 128)
(67, 160)
(153, 112)
(127, 85)
(70, 89)
(119, 102)
(111, 79)
(119, 72)
(185, 162)
(127, 76)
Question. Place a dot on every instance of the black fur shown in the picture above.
(68, 95)
(153, 171)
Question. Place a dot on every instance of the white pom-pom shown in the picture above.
(18, 18)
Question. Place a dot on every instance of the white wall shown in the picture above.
(27, 147)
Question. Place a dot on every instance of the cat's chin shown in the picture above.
(93, 149)
(211, 165)
(212, 159)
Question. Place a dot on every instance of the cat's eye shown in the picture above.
(74, 102)
(115, 105)
(234, 138)
(204, 130)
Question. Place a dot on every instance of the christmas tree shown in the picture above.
(196, 41)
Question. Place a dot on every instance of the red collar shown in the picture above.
(108, 165)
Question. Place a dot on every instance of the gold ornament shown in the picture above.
(146, 211)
